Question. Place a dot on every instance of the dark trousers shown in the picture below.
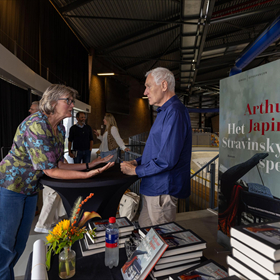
(82, 156)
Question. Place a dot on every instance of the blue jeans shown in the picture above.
(82, 155)
(17, 212)
(113, 152)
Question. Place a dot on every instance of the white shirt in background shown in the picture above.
(104, 141)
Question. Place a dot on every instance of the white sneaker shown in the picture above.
(41, 230)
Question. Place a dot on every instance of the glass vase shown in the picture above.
(67, 263)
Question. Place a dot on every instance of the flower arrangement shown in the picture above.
(67, 232)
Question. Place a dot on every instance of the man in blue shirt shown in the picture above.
(165, 164)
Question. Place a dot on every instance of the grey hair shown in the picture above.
(51, 96)
(163, 74)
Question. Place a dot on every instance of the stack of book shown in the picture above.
(90, 246)
(255, 251)
(185, 249)
(208, 270)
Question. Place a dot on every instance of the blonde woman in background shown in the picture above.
(111, 139)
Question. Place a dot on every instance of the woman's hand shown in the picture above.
(127, 149)
(100, 160)
(98, 171)
(96, 133)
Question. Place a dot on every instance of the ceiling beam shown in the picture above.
(152, 57)
(244, 14)
(203, 38)
(131, 19)
(74, 5)
(112, 49)
(135, 35)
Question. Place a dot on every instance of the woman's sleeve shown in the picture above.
(117, 137)
(41, 146)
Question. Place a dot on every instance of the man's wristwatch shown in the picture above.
(87, 166)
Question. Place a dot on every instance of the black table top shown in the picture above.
(87, 268)
(110, 177)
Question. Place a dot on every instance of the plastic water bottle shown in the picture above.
(112, 244)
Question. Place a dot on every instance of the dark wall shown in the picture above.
(13, 110)
(34, 32)
(136, 122)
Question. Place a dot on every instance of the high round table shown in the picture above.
(108, 188)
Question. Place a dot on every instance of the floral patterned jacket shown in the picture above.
(34, 149)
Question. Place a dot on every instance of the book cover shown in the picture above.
(253, 265)
(174, 269)
(87, 252)
(243, 269)
(100, 226)
(264, 237)
(176, 263)
(91, 245)
(144, 258)
(161, 229)
(207, 270)
(261, 259)
(102, 238)
(179, 257)
(234, 273)
(182, 242)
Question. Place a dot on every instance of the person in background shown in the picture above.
(111, 139)
(34, 107)
(165, 164)
(81, 136)
(52, 211)
(38, 149)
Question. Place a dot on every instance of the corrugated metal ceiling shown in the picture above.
(199, 40)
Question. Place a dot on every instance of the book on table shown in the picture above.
(162, 228)
(144, 258)
(182, 242)
(253, 265)
(176, 263)
(124, 224)
(234, 273)
(243, 269)
(264, 237)
(174, 269)
(88, 252)
(207, 270)
(102, 238)
(180, 257)
(91, 245)
(261, 259)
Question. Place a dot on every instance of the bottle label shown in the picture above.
(111, 240)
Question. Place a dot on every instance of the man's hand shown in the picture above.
(98, 171)
(71, 155)
(133, 162)
(128, 168)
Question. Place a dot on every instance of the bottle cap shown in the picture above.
(112, 220)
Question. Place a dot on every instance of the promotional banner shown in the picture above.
(250, 147)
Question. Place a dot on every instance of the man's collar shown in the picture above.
(167, 103)
(81, 126)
